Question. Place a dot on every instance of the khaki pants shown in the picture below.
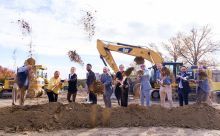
(22, 92)
(14, 93)
(166, 91)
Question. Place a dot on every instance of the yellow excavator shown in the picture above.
(6, 87)
(105, 48)
(38, 82)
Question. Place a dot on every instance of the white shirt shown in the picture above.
(146, 72)
(180, 83)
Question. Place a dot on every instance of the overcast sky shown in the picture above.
(56, 28)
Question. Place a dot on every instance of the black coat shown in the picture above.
(90, 78)
(185, 83)
(72, 83)
(117, 88)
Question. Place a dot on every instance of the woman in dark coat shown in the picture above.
(119, 78)
(72, 88)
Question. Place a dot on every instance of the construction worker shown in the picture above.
(72, 85)
(90, 78)
(106, 79)
(54, 86)
(119, 79)
(183, 86)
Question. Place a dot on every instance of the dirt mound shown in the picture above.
(55, 116)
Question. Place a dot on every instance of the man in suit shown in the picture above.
(90, 78)
(183, 86)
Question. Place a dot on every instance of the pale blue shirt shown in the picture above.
(145, 81)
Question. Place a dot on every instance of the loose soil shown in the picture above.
(58, 116)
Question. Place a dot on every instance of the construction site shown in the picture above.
(38, 117)
(42, 118)
(85, 68)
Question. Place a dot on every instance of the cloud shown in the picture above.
(57, 28)
(48, 33)
(56, 24)
(165, 31)
(33, 5)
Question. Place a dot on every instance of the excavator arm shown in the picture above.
(105, 49)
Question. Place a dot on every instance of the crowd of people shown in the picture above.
(121, 86)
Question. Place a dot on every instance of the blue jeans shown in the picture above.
(145, 94)
(107, 97)
(202, 95)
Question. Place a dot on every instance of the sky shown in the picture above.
(56, 28)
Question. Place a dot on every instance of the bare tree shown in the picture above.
(194, 47)
(173, 47)
(208, 61)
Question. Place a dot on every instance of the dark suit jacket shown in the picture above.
(185, 83)
(90, 78)
(72, 83)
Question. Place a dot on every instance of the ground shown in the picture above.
(154, 131)
(134, 131)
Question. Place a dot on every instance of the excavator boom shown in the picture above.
(105, 49)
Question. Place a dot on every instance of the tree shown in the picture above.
(6, 73)
(173, 46)
(194, 47)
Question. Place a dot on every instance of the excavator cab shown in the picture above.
(173, 66)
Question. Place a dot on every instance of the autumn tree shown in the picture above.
(6, 73)
(194, 47)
